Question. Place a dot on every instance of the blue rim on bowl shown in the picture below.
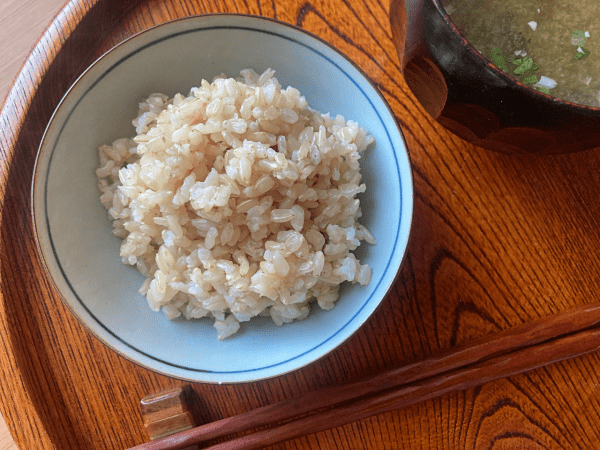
(70, 255)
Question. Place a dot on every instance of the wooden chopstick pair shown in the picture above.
(524, 347)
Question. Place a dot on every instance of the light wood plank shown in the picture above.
(21, 25)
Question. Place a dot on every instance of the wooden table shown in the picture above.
(498, 241)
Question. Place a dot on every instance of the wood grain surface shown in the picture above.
(21, 25)
(498, 241)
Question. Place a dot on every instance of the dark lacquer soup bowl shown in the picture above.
(473, 98)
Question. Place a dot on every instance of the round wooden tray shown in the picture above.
(498, 241)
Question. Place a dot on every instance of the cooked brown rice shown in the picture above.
(236, 201)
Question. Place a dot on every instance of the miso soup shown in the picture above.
(550, 45)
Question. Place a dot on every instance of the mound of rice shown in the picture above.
(236, 201)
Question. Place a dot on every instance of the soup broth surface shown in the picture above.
(551, 45)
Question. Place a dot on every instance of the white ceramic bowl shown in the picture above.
(74, 234)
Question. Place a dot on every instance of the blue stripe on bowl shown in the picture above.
(157, 41)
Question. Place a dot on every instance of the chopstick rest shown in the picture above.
(167, 412)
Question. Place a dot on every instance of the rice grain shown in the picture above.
(237, 200)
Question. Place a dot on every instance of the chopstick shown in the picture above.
(493, 369)
(501, 354)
